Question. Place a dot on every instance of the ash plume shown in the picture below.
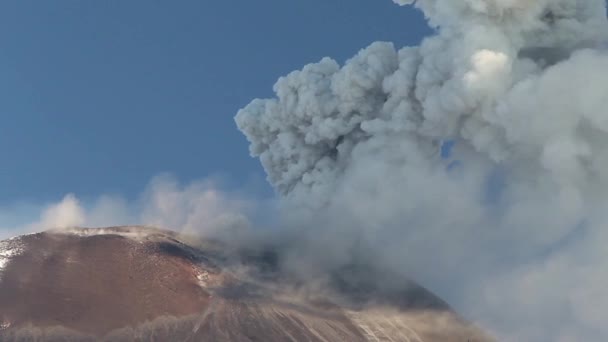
(474, 163)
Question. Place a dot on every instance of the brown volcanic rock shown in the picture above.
(97, 283)
(143, 284)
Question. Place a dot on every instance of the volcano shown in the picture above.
(147, 284)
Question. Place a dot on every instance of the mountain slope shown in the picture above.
(144, 284)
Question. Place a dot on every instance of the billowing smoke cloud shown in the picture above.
(474, 163)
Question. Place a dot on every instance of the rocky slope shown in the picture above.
(145, 284)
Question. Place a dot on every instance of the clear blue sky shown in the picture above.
(100, 96)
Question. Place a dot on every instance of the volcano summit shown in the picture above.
(146, 284)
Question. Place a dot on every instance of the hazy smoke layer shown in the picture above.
(199, 208)
(474, 162)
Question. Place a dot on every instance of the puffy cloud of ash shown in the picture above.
(508, 226)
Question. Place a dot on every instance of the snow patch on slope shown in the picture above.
(9, 249)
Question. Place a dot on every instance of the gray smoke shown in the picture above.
(474, 163)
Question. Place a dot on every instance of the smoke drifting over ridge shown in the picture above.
(199, 208)
(509, 223)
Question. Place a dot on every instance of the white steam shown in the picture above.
(67, 213)
(509, 224)
(197, 208)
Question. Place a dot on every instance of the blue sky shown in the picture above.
(100, 96)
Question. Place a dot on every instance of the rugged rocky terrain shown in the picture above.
(145, 284)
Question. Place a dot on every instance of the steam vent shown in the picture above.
(145, 284)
